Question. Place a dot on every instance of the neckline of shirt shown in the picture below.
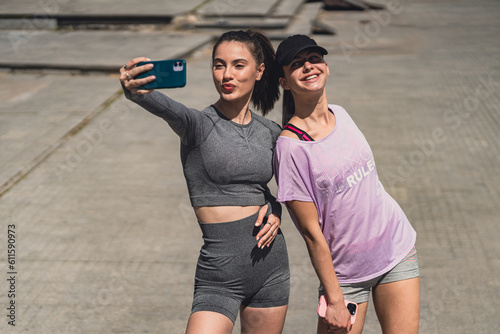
(319, 140)
(221, 115)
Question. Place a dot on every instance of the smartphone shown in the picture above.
(351, 307)
(169, 74)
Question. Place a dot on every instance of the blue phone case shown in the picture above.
(169, 74)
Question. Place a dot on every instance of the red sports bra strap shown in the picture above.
(299, 132)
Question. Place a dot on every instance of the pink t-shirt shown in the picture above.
(366, 230)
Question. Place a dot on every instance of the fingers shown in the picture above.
(336, 330)
(341, 329)
(262, 214)
(133, 63)
(268, 232)
(130, 70)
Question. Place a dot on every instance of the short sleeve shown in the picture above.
(291, 173)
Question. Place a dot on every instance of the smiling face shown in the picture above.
(307, 72)
(235, 71)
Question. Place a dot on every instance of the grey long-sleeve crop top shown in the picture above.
(224, 163)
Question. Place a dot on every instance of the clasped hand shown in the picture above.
(268, 233)
(338, 319)
(130, 70)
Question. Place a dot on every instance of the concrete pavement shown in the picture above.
(92, 185)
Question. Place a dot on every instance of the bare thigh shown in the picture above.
(356, 328)
(398, 306)
(206, 322)
(269, 320)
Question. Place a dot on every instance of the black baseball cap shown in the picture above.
(289, 48)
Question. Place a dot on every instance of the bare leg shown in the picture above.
(268, 320)
(398, 306)
(357, 328)
(205, 322)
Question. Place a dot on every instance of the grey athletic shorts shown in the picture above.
(360, 292)
(232, 270)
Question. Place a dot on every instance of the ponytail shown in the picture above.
(266, 91)
(288, 107)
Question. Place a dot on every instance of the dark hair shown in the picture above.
(288, 107)
(266, 91)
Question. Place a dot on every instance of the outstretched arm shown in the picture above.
(184, 121)
(306, 216)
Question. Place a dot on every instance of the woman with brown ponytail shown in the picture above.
(226, 152)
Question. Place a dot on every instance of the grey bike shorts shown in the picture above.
(232, 270)
(360, 292)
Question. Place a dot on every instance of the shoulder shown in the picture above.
(337, 108)
(341, 113)
(288, 144)
(211, 113)
(271, 125)
(288, 134)
(210, 110)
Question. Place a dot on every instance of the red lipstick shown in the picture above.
(228, 87)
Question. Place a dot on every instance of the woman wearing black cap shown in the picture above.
(359, 239)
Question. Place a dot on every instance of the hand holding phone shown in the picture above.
(323, 305)
(169, 74)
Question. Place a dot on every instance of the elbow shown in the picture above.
(310, 237)
(315, 240)
(306, 235)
